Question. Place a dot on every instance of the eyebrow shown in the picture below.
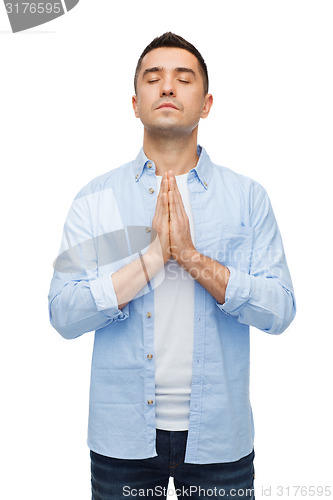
(158, 69)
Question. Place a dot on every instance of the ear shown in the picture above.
(208, 102)
(135, 106)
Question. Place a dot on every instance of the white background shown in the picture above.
(66, 117)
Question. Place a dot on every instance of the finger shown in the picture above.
(165, 195)
(166, 182)
(179, 213)
(165, 206)
(177, 198)
(172, 207)
(163, 189)
(171, 180)
(179, 205)
(174, 186)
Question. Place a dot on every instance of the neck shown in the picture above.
(178, 154)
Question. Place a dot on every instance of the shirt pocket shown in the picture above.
(231, 245)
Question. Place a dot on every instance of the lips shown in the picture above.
(167, 105)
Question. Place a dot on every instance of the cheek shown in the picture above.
(194, 104)
(145, 103)
(194, 112)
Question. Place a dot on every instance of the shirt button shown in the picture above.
(149, 356)
(148, 230)
(137, 176)
(149, 165)
(151, 190)
(148, 314)
(205, 184)
(150, 401)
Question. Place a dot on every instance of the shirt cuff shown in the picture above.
(238, 292)
(105, 298)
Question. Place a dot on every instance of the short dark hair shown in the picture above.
(169, 39)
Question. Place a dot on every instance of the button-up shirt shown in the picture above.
(107, 226)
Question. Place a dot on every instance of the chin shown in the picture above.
(164, 125)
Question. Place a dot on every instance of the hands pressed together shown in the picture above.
(171, 229)
(171, 222)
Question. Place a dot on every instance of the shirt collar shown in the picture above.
(202, 170)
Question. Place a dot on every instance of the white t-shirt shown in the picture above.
(173, 326)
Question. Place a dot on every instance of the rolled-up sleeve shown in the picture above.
(238, 291)
(264, 297)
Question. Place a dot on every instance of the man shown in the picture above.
(169, 391)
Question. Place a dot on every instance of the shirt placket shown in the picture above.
(199, 328)
(148, 184)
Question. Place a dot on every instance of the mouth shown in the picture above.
(167, 105)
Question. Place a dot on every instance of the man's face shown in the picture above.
(170, 93)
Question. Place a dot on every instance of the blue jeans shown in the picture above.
(118, 479)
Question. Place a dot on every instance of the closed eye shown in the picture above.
(153, 81)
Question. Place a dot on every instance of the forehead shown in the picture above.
(169, 58)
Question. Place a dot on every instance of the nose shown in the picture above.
(167, 93)
(167, 88)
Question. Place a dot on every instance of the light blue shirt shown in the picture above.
(234, 224)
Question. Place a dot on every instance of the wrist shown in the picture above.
(153, 259)
(188, 257)
(156, 253)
